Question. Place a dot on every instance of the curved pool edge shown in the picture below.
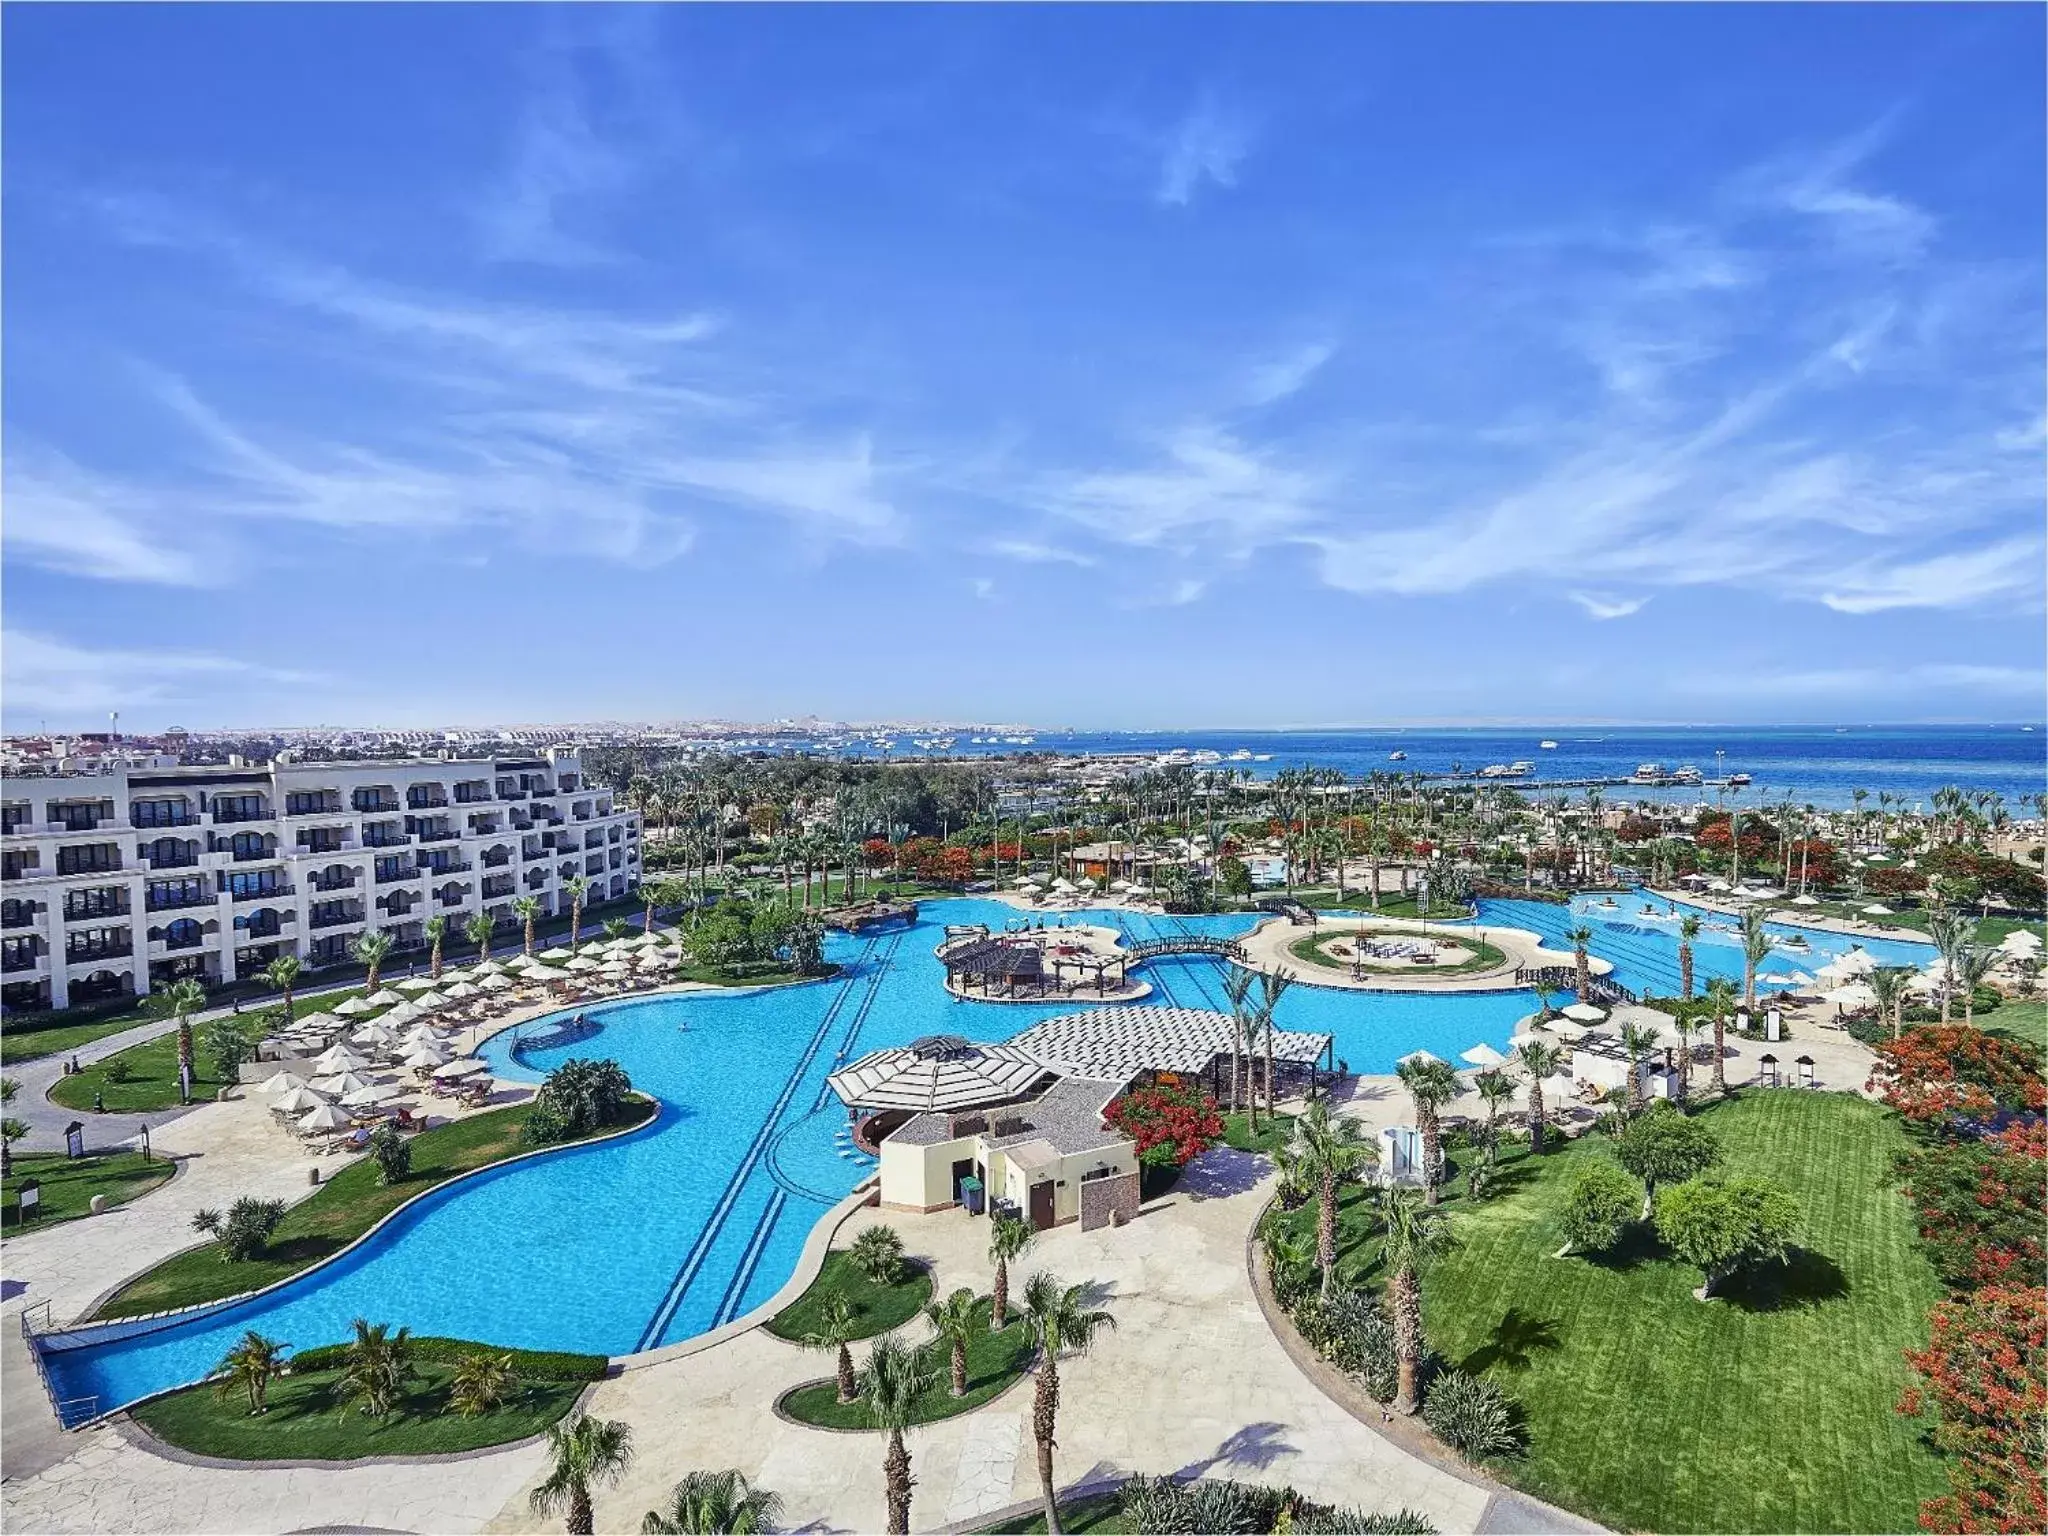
(1492, 982)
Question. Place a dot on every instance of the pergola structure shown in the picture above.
(1123, 1043)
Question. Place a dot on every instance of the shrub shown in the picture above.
(878, 1254)
(1985, 1366)
(1471, 1415)
(482, 1381)
(1351, 1330)
(1723, 1225)
(226, 1049)
(1602, 1200)
(1664, 1146)
(1171, 1125)
(1226, 1507)
(578, 1097)
(245, 1229)
(531, 1364)
(117, 1069)
(1357, 1522)
(392, 1152)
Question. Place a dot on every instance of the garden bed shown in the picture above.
(69, 1183)
(877, 1307)
(995, 1363)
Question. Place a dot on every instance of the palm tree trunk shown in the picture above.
(1535, 1116)
(999, 1303)
(186, 1069)
(849, 1388)
(1044, 1414)
(1407, 1306)
(434, 962)
(959, 1369)
(1326, 1230)
(1720, 1049)
(1432, 1155)
(581, 1521)
(896, 1481)
(1685, 970)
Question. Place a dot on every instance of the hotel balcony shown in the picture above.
(264, 893)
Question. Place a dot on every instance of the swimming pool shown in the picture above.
(693, 1220)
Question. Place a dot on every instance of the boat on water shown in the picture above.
(1397, 757)
(1738, 778)
(1241, 755)
(1648, 773)
(1547, 746)
(1686, 775)
(1513, 770)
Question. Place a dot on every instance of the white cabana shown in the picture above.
(384, 997)
(298, 1101)
(325, 1118)
(371, 1093)
(1483, 1055)
(1585, 1013)
(467, 1066)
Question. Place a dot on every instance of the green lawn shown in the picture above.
(69, 1184)
(1392, 903)
(2019, 1018)
(340, 1211)
(152, 1069)
(1484, 955)
(1272, 1133)
(18, 1044)
(1768, 1411)
(1098, 1512)
(752, 973)
(994, 1361)
(877, 1307)
(306, 1421)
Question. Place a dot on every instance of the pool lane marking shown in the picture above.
(700, 1250)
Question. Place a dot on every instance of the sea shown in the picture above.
(1815, 765)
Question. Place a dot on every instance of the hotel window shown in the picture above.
(88, 859)
(159, 813)
(164, 894)
(244, 885)
(237, 808)
(100, 901)
(308, 802)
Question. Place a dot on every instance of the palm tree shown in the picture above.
(1687, 1026)
(1008, 1236)
(371, 947)
(582, 1451)
(955, 1325)
(11, 1131)
(180, 1000)
(877, 1253)
(714, 1504)
(1889, 982)
(1637, 1041)
(1973, 964)
(1272, 986)
(1328, 1151)
(480, 1382)
(1431, 1084)
(1539, 1059)
(1496, 1088)
(479, 930)
(283, 974)
(378, 1365)
(575, 885)
(1580, 938)
(527, 909)
(838, 1326)
(1058, 1321)
(436, 929)
(1415, 1235)
(1237, 987)
(250, 1366)
(892, 1383)
(1688, 930)
(1756, 945)
(1721, 995)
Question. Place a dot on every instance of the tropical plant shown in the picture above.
(226, 1049)
(481, 1381)
(1599, 1203)
(714, 1504)
(1170, 1124)
(1687, 1025)
(376, 1366)
(392, 1152)
(283, 974)
(1721, 1002)
(1637, 1041)
(576, 1098)
(11, 1131)
(179, 1000)
(1539, 1058)
(1495, 1088)
(1581, 940)
(582, 1452)
(1058, 1321)
(1416, 1235)
(1431, 1084)
(372, 948)
(878, 1254)
(955, 1326)
(1328, 1150)
(478, 930)
(838, 1326)
(1722, 1225)
(1273, 986)
(1471, 1415)
(436, 930)
(1688, 930)
(246, 1228)
(1008, 1237)
(1666, 1147)
(1891, 984)
(1973, 963)
(528, 910)
(1289, 1259)
(249, 1368)
(575, 885)
(894, 1380)
(1237, 987)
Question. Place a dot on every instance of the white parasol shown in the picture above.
(429, 1000)
(424, 1054)
(383, 997)
(298, 1101)
(1483, 1055)
(1876, 909)
(339, 1058)
(496, 984)
(281, 1082)
(1586, 1013)
(466, 1067)
(416, 984)
(354, 1007)
(340, 1083)
(325, 1118)
(371, 1093)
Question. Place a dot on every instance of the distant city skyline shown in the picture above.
(1106, 368)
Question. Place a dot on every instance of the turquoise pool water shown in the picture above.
(700, 1216)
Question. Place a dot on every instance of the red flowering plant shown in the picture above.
(1172, 1124)
(1986, 1369)
(1936, 1074)
(1981, 1207)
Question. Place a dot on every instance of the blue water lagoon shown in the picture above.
(696, 1218)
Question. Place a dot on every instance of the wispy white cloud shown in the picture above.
(43, 672)
(1034, 553)
(1605, 606)
(983, 588)
(1817, 185)
(1205, 146)
(1203, 486)
(66, 519)
(2009, 568)
(1288, 375)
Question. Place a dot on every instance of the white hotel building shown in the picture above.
(116, 882)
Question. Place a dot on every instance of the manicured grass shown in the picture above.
(68, 1184)
(18, 1044)
(878, 1308)
(994, 1361)
(2019, 1018)
(1485, 956)
(152, 1069)
(306, 1421)
(759, 973)
(1770, 1410)
(344, 1208)
(1392, 904)
(1272, 1135)
(1098, 1512)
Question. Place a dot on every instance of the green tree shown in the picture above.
(478, 930)
(375, 1368)
(1008, 1237)
(838, 1326)
(11, 1131)
(1891, 984)
(1495, 1088)
(1599, 1203)
(1328, 1150)
(179, 1000)
(1688, 930)
(1581, 940)
(892, 1383)
(1721, 999)
(1059, 1321)
(878, 1254)
(1756, 948)
(582, 1452)
(714, 1504)
(1415, 1236)
(392, 1152)
(436, 929)
(527, 909)
(371, 947)
(245, 1231)
(1666, 1147)
(955, 1326)
(575, 885)
(1540, 1059)
(1273, 986)
(1723, 1225)
(249, 1368)
(1431, 1084)
(226, 1049)
(1637, 1041)
(481, 1382)
(1973, 964)
(283, 974)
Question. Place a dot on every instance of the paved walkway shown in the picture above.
(1269, 947)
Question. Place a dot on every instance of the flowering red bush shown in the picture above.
(1981, 1205)
(1820, 861)
(1986, 1369)
(1637, 829)
(1172, 1125)
(878, 852)
(1940, 1071)
(1891, 880)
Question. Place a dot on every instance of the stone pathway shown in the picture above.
(1269, 947)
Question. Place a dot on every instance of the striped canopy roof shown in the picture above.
(938, 1072)
(1119, 1043)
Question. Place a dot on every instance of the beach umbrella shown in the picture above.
(1585, 1013)
(497, 967)
(463, 989)
(384, 997)
(2021, 941)
(404, 1013)
(1801, 979)
(1029, 888)
(355, 1007)
(371, 1093)
(1139, 890)
(1419, 1056)
(581, 963)
(373, 1037)
(1119, 885)
(1857, 962)
(1854, 995)
(416, 984)
(453, 977)
(338, 1058)
(653, 961)
(468, 1066)
(1086, 882)
(615, 968)
(1876, 909)
(317, 1023)
(496, 984)
(1764, 892)
(1717, 885)
(424, 1054)
(1805, 901)
(281, 1082)
(298, 1101)
(646, 940)
(1566, 1029)
(339, 1082)
(558, 953)
(1020, 880)
(1775, 979)
(325, 1118)
(429, 1000)
(1483, 1055)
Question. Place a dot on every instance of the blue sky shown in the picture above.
(1146, 366)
